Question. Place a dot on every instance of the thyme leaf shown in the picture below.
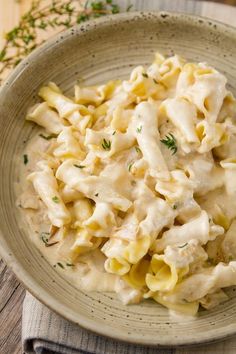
(139, 129)
(182, 246)
(170, 143)
(106, 144)
(47, 137)
(55, 199)
(130, 166)
(60, 265)
(79, 166)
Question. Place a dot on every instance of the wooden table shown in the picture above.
(11, 291)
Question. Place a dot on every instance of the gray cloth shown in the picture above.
(44, 332)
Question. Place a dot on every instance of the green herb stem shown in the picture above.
(57, 16)
(170, 143)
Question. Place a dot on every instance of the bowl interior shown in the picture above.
(97, 52)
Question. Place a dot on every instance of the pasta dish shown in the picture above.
(129, 186)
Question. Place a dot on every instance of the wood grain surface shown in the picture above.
(11, 292)
(11, 299)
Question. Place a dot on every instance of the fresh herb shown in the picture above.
(114, 132)
(130, 166)
(55, 199)
(25, 159)
(47, 137)
(44, 237)
(145, 75)
(96, 195)
(115, 9)
(137, 149)
(155, 81)
(170, 142)
(60, 265)
(175, 206)
(70, 264)
(231, 258)
(79, 166)
(55, 17)
(106, 144)
(139, 129)
(183, 245)
(129, 8)
(97, 5)
(52, 244)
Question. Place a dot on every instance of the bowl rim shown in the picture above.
(20, 272)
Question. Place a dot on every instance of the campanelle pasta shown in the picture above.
(131, 185)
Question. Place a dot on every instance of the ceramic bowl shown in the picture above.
(98, 51)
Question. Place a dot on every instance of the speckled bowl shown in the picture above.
(106, 48)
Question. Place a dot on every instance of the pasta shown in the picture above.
(132, 189)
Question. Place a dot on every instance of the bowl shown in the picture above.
(97, 52)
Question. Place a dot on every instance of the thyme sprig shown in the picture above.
(55, 17)
(106, 144)
(170, 142)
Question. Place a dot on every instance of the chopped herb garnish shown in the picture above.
(79, 166)
(114, 132)
(130, 166)
(139, 129)
(96, 195)
(145, 75)
(55, 199)
(60, 265)
(183, 245)
(106, 144)
(155, 81)
(51, 244)
(231, 258)
(137, 149)
(70, 264)
(25, 159)
(47, 137)
(44, 238)
(175, 206)
(170, 142)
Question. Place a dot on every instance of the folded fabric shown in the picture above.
(44, 332)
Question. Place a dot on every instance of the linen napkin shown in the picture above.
(43, 331)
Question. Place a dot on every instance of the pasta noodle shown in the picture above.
(135, 183)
